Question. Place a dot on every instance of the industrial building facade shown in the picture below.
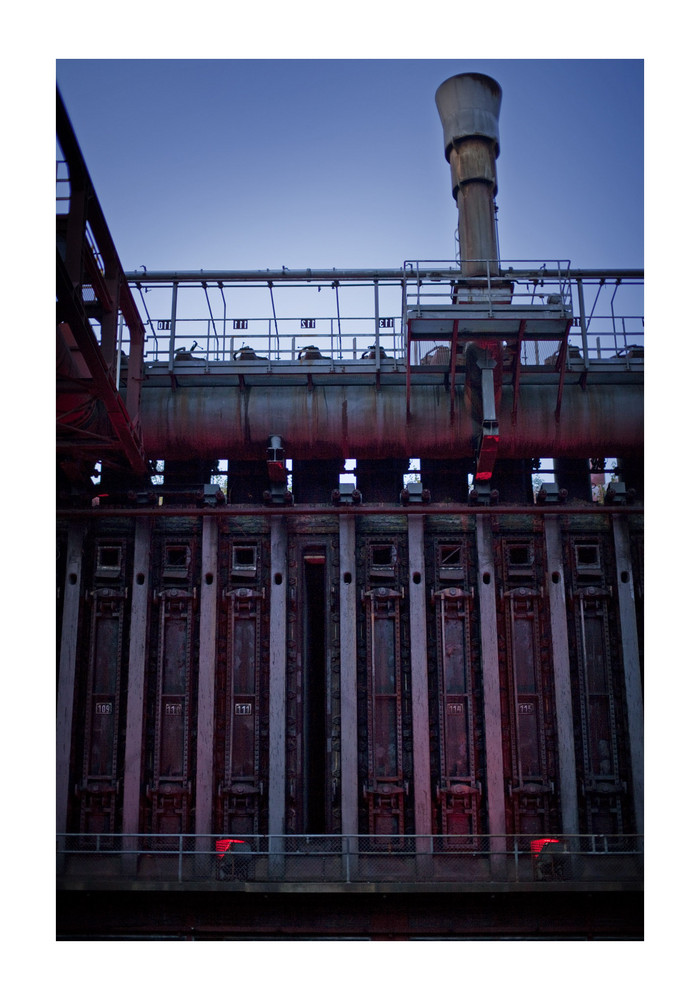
(409, 685)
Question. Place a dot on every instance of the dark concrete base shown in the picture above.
(95, 915)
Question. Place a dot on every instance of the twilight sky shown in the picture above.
(225, 164)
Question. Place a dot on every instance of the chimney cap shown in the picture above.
(469, 105)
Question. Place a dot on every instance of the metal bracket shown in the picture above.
(345, 495)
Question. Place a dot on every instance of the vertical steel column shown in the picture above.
(138, 632)
(67, 670)
(562, 675)
(377, 352)
(134, 374)
(348, 689)
(495, 791)
(630, 661)
(278, 663)
(419, 689)
(584, 330)
(207, 670)
(173, 321)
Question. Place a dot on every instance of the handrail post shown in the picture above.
(404, 319)
(173, 320)
(376, 323)
(120, 341)
(582, 317)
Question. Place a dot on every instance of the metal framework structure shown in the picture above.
(423, 681)
(91, 289)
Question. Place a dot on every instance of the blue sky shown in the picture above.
(225, 164)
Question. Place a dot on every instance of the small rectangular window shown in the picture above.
(177, 561)
(588, 559)
(244, 560)
(519, 555)
(451, 562)
(382, 555)
(520, 560)
(176, 556)
(109, 561)
(382, 561)
(450, 555)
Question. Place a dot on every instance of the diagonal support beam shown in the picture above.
(102, 383)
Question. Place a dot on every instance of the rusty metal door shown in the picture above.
(603, 786)
(239, 795)
(530, 705)
(458, 791)
(601, 763)
(99, 784)
(170, 786)
(385, 786)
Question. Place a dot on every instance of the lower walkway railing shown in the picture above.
(232, 858)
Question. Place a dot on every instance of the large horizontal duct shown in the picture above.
(362, 422)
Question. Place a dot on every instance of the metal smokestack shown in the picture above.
(469, 105)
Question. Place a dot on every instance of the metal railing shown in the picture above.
(62, 187)
(268, 318)
(184, 858)
(506, 283)
(351, 316)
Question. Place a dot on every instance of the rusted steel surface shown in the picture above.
(359, 422)
(469, 105)
(561, 667)
(138, 665)
(359, 511)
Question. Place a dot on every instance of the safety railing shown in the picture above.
(604, 309)
(237, 859)
(609, 320)
(516, 283)
(62, 186)
(265, 319)
(199, 341)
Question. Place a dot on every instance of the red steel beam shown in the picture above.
(102, 386)
(67, 281)
(359, 510)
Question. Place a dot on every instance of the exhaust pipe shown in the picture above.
(469, 105)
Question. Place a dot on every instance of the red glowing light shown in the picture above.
(276, 471)
(537, 845)
(223, 845)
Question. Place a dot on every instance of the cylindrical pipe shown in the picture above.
(309, 276)
(359, 422)
(469, 105)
